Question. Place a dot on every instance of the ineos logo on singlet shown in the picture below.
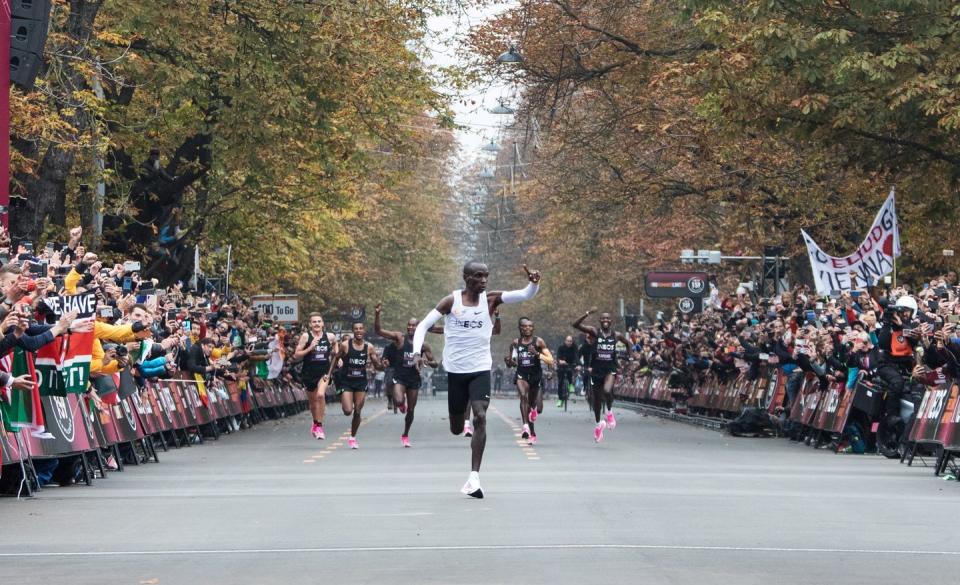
(606, 348)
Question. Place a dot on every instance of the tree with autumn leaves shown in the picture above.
(296, 130)
(656, 126)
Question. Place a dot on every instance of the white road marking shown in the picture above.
(493, 547)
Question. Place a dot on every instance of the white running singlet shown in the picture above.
(466, 334)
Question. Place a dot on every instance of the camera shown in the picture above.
(120, 349)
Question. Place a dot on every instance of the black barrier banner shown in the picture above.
(126, 421)
(128, 385)
(778, 394)
(947, 434)
(835, 409)
(151, 399)
(66, 429)
(928, 415)
(187, 410)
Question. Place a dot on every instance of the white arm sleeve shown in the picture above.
(518, 296)
(432, 317)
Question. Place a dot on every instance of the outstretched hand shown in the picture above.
(532, 275)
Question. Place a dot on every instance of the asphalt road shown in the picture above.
(656, 502)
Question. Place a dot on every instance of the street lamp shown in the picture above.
(491, 147)
(501, 109)
(511, 56)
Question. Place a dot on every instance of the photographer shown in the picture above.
(896, 340)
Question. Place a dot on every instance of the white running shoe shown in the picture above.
(472, 487)
(468, 429)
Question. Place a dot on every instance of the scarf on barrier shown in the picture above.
(21, 408)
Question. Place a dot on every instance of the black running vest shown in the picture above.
(320, 356)
(605, 352)
(406, 363)
(355, 366)
(528, 361)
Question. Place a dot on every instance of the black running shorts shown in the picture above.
(350, 385)
(599, 376)
(466, 388)
(409, 382)
(534, 379)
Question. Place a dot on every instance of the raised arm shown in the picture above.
(579, 326)
(443, 308)
(510, 297)
(393, 336)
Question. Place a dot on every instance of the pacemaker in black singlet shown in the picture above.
(355, 369)
(316, 364)
(604, 354)
(528, 363)
(405, 371)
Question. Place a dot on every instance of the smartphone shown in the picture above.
(127, 284)
(819, 306)
(28, 246)
(172, 315)
(50, 247)
(811, 315)
(36, 269)
(58, 283)
(953, 318)
(106, 312)
(855, 293)
(64, 270)
(187, 325)
(44, 268)
(131, 266)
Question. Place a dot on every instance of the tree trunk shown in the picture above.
(44, 196)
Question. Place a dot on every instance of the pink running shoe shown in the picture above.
(352, 441)
(317, 431)
(526, 432)
(533, 415)
(405, 441)
(598, 431)
(533, 439)
(468, 429)
(611, 421)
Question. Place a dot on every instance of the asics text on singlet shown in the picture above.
(466, 333)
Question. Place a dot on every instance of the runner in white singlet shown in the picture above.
(466, 353)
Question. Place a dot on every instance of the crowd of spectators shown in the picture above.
(900, 337)
(150, 332)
